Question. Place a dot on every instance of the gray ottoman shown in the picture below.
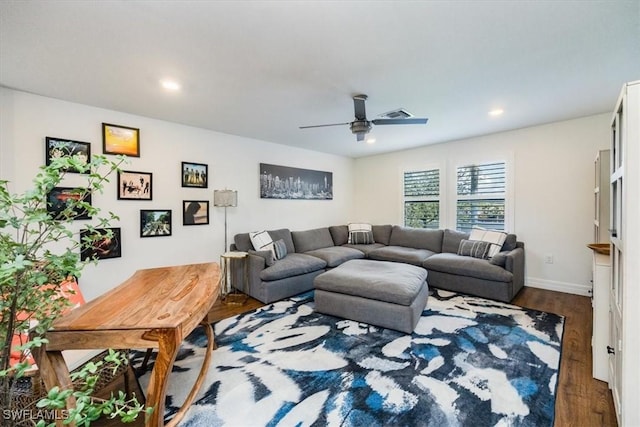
(381, 293)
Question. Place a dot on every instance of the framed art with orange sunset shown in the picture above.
(118, 139)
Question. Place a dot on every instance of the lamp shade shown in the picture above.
(225, 198)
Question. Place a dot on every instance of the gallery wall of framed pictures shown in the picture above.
(136, 183)
(131, 185)
(232, 163)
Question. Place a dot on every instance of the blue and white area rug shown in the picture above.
(470, 362)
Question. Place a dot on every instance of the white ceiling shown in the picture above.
(261, 69)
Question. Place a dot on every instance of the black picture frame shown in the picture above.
(194, 175)
(285, 182)
(135, 185)
(117, 139)
(155, 222)
(195, 212)
(56, 201)
(103, 248)
(60, 147)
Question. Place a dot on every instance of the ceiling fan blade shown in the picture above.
(358, 106)
(411, 121)
(323, 126)
(359, 137)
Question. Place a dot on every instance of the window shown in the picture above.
(422, 199)
(481, 193)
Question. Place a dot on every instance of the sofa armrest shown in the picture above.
(255, 264)
(515, 265)
(266, 255)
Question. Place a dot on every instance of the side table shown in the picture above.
(232, 290)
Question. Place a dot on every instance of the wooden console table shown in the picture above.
(154, 308)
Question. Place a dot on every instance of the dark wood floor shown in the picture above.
(581, 401)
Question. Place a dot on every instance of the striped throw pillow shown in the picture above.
(474, 248)
(356, 227)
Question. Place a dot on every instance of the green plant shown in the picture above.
(38, 247)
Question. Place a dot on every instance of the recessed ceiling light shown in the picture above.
(171, 85)
(496, 112)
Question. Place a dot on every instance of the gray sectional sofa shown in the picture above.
(312, 252)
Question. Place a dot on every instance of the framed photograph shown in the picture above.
(58, 148)
(195, 175)
(284, 182)
(195, 212)
(135, 185)
(103, 246)
(118, 139)
(155, 223)
(57, 201)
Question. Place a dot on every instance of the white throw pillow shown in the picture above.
(356, 227)
(262, 241)
(495, 237)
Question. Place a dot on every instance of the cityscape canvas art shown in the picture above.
(284, 182)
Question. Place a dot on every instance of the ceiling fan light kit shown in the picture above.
(361, 126)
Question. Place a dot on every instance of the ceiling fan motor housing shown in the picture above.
(360, 126)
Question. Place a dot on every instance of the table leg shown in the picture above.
(54, 372)
(168, 346)
(201, 376)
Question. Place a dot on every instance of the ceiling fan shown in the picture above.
(361, 126)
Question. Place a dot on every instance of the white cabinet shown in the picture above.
(624, 290)
(601, 270)
(600, 338)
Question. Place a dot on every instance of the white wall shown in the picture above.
(553, 183)
(26, 119)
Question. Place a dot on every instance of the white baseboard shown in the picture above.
(553, 285)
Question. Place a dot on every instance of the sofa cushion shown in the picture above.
(467, 266)
(381, 233)
(309, 240)
(499, 259)
(400, 254)
(292, 265)
(243, 242)
(418, 238)
(451, 240)
(336, 255)
(365, 248)
(339, 234)
(510, 243)
(284, 234)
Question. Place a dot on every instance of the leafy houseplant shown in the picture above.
(39, 251)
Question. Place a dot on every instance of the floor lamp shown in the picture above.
(225, 199)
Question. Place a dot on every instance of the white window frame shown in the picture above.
(438, 198)
(509, 200)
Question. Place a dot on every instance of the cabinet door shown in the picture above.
(616, 288)
(615, 344)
